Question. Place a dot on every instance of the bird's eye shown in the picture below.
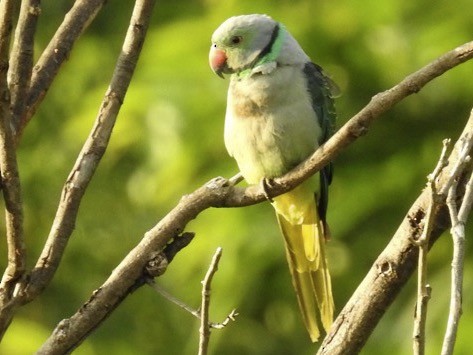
(236, 39)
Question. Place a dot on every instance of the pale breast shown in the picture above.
(270, 125)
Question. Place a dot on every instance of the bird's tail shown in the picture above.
(305, 251)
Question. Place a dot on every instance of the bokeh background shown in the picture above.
(168, 141)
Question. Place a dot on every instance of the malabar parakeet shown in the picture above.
(279, 110)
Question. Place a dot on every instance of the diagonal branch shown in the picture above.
(222, 193)
(356, 126)
(75, 22)
(91, 153)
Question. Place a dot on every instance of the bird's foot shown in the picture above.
(265, 184)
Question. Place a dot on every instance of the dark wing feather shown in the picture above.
(322, 90)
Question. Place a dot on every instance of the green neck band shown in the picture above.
(269, 57)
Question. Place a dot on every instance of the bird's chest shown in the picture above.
(270, 124)
(253, 98)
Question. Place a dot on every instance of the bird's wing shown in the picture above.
(322, 90)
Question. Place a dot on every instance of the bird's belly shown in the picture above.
(258, 151)
(268, 145)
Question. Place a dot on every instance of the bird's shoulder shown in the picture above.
(322, 90)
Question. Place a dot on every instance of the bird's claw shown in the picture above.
(265, 184)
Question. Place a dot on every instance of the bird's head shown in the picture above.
(241, 42)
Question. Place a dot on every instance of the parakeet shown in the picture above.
(279, 110)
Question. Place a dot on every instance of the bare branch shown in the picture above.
(458, 219)
(91, 153)
(75, 22)
(13, 205)
(391, 270)
(206, 284)
(205, 306)
(458, 236)
(423, 288)
(10, 179)
(424, 292)
(220, 193)
(7, 8)
(21, 60)
(231, 317)
(77, 182)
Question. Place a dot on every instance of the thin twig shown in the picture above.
(171, 298)
(195, 312)
(44, 72)
(231, 317)
(443, 160)
(205, 307)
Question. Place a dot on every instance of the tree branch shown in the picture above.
(82, 172)
(195, 312)
(458, 219)
(358, 125)
(220, 193)
(91, 153)
(21, 60)
(392, 269)
(423, 288)
(205, 306)
(458, 236)
(75, 22)
(9, 178)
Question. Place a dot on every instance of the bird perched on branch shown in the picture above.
(279, 110)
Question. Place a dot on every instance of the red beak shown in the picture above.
(217, 60)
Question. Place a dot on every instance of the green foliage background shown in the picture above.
(168, 141)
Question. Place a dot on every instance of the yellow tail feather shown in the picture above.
(305, 251)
